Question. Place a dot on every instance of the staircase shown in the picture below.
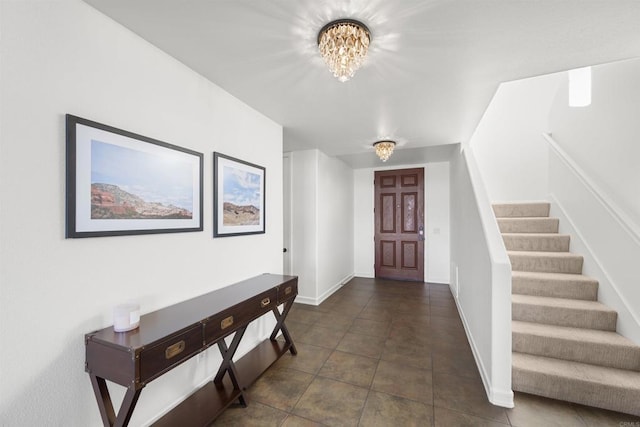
(565, 344)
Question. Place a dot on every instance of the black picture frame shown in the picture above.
(121, 183)
(239, 197)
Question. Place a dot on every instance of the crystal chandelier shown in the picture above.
(343, 45)
(384, 149)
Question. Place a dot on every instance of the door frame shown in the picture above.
(287, 214)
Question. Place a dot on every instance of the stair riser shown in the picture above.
(556, 289)
(515, 242)
(575, 390)
(528, 225)
(550, 264)
(613, 356)
(514, 210)
(562, 316)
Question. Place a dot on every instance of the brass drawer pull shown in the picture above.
(226, 322)
(287, 290)
(265, 302)
(174, 350)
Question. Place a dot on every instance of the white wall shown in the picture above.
(603, 137)
(304, 218)
(508, 143)
(437, 201)
(322, 213)
(363, 223)
(436, 220)
(335, 225)
(65, 57)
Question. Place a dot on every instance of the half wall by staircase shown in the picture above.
(481, 278)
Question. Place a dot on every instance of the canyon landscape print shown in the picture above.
(131, 184)
(109, 201)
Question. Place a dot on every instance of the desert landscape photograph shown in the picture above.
(132, 184)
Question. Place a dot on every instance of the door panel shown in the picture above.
(399, 214)
(409, 255)
(388, 223)
(388, 182)
(388, 257)
(409, 213)
(409, 180)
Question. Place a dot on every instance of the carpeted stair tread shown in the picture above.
(521, 209)
(563, 312)
(541, 242)
(549, 262)
(528, 225)
(554, 285)
(599, 386)
(604, 348)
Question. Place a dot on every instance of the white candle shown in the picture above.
(126, 317)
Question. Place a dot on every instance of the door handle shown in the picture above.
(421, 232)
(284, 250)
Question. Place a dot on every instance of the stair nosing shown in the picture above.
(573, 333)
(622, 377)
(524, 218)
(551, 276)
(547, 254)
(561, 302)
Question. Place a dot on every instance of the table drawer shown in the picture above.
(159, 358)
(239, 315)
(287, 291)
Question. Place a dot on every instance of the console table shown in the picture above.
(170, 336)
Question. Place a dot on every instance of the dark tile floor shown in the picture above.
(389, 353)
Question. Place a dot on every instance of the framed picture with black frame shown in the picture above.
(238, 197)
(121, 183)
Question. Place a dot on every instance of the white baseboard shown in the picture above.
(348, 278)
(503, 398)
(326, 294)
(334, 288)
(306, 300)
(365, 275)
(438, 281)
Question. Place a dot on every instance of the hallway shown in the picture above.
(390, 353)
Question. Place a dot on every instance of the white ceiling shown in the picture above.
(432, 69)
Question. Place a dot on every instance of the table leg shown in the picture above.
(105, 404)
(280, 326)
(104, 400)
(227, 364)
(126, 409)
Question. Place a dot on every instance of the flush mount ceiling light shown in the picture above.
(384, 149)
(343, 45)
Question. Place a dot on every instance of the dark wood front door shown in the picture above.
(399, 235)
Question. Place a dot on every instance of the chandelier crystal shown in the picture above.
(343, 45)
(384, 149)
